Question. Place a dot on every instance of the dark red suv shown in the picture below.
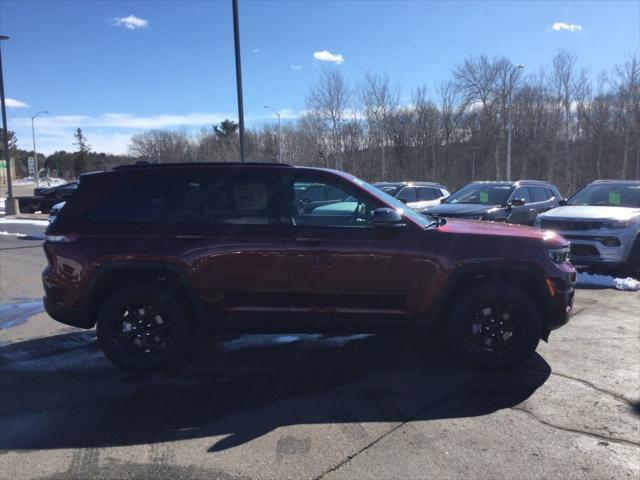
(157, 255)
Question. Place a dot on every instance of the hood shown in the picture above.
(460, 209)
(587, 212)
(499, 229)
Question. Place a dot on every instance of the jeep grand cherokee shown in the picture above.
(157, 254)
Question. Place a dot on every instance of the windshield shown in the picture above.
(389, 189)
(609, 194)
(395, 203)
(482, 194)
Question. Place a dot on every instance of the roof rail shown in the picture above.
(146, 164)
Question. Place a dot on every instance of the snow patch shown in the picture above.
(20, 221)
(257, 341)
(24, 236)
(598, 280)
(45, 182)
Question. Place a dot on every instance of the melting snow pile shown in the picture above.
(607, 281)
(2, 205)
(44, 182)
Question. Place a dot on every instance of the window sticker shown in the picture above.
(614, 198)
(250, 197)
(484, 197)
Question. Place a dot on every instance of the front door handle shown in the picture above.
(190, 237)
(310, 240)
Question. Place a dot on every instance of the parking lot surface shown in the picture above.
(310, 406)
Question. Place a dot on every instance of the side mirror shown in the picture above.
(562, 202)
(443, 199)
(518, 202)
(387, 217)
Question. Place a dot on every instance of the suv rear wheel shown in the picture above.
(143, 328)
(495, 327)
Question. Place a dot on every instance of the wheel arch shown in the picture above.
(529, 279)
(113, 276)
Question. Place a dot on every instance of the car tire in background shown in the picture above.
(144, 328)
(493, 327)
(633, 263)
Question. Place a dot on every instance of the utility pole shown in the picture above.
(509, 125)
(35, 154)
(10, 205)
(236, 42)
(279, 133)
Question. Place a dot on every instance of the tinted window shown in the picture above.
(538, 194)
(197, 198)
(139, 199)
(522, 192)
(407, 194)
(348, 208)
(428, 193)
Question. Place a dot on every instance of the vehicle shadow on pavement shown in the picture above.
(240, 389)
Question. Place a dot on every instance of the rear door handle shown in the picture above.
(190, 237)
(310, 240)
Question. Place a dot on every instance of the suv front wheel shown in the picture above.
(143, 328)
(495, 327)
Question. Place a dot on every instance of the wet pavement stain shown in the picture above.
(18, 311)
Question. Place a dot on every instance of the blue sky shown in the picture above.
(118, 68)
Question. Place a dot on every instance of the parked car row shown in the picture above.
(602, 220)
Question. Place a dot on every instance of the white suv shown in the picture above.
(602, 222)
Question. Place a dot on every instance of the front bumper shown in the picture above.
(562, 293)
(588, 247)
(75, 317)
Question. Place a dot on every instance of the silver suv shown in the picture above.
(602, 222)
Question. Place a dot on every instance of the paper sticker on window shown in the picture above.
(250, 197)
(614, 198)
(484, 197)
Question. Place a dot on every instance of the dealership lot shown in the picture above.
(308, 406)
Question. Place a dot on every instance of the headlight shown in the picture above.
(559, 255)
(617, 224)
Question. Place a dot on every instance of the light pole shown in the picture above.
(279, 135)
(10, 206)
(35, 154)
(509, 125)
(236, 44)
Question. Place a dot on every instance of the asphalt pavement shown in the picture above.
(311, 406)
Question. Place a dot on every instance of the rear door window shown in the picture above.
(538, 194)
(407, 194)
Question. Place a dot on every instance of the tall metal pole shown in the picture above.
(35, 154)
(236, 41)
(509, 125)
(5, 135)
(279, 132)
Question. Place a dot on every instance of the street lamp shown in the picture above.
(10, 206)
(509, 125)
(279, 135)
(35, 154)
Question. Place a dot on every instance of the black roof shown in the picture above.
(145, 165)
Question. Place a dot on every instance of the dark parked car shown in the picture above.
(512, 202)
(45, 198)
(159, 254)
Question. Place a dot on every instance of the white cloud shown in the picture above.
(13, 103)
(326, 56)
(571, 27)
(295, 67)
(131, 22)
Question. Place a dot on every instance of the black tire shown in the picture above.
(143, 328)
(633, 263)
(494, 327)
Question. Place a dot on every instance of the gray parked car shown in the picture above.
(602, 222)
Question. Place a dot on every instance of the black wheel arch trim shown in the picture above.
(160, 268)
(460, 274)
